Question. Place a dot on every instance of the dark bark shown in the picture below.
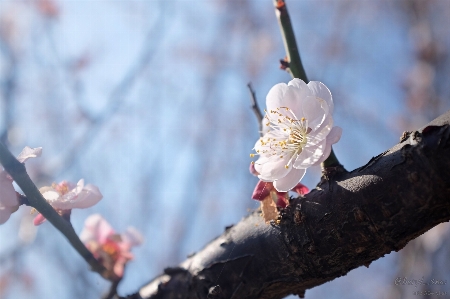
(349, 220)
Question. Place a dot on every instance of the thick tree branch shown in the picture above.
(349, 220)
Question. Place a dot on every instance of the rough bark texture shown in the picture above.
(349, 220)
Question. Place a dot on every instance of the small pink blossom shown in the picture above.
(111, 249)
(65, 196)
(9, 201)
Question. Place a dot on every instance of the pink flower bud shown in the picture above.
(262, 190)
(282, 201)
(39, 219)
(253, 170)
(301, 189)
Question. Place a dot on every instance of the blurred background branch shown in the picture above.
(255, 107)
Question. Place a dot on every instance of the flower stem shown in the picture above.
(295, 67)
(294, 62)
(18, 172)
(112, 290)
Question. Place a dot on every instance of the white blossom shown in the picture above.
(300, 132)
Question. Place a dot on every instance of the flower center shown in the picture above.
(62, 188)
(297, 137)
(288, 135)
(112, 249)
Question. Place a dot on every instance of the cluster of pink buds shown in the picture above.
(265, 189)
(111, 249)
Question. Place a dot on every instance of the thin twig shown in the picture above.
(112, 290)
(255, 107)
(293, 63)
(19, 174)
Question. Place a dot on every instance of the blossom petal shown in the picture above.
(290, 180)
(264, 126)
(79, 187)
(320, 133)
(252, 169)
(300, 91)
(326, 153)
(300, 84)
(5, 213)
(274, 98)
(28, 153)
(334, 135)
(320, 90)
(274, 168)
(8, 196)
(39, 219)
(50, 195)
(132, 237)
(119, 266)
(282, 95)
(97, 229)
(313, 112)
(332, 138)
(89, 196)
(309, 155)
